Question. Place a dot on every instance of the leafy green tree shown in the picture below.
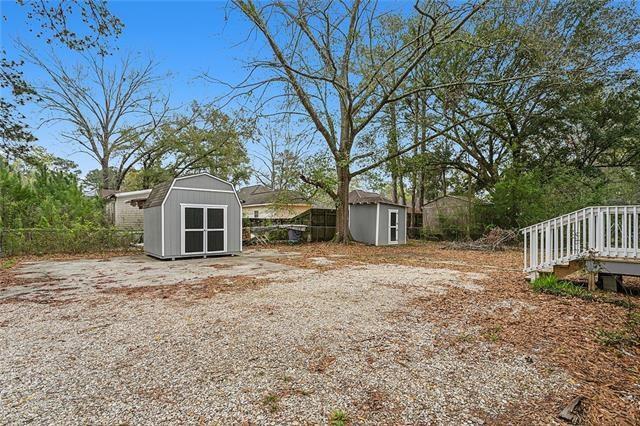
(206, 140)
(545, 58)
(37, 197)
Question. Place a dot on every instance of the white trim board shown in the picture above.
(377, 222)
(131, 193)
(389, 227)
(183, 188)
(164, 200)
(406, 223)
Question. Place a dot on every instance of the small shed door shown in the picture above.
(393, 226)
(204, 229)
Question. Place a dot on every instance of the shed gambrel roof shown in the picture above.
(158, 194)
(160, 191)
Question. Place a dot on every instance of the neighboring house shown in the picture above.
(445, 212)
(374, 219)
(261, 202)
(124, 209)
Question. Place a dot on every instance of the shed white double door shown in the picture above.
(203, 229)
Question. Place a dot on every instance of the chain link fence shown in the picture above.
(84, 239)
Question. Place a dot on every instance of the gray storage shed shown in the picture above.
(189, 216)
(376, 220)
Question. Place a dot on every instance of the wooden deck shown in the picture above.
(599, 239)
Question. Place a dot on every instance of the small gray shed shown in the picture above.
(189, 216)
(373, 219)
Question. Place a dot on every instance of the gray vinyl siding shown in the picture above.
(152, 235)
(383, 224)
(172, 211)
(362, 219)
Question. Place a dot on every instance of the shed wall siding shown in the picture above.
(152, 235)
(362, 219)
(172, 211)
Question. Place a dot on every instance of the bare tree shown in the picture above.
(280, 155)
(79, 25)
(111, 110)
(326, 56)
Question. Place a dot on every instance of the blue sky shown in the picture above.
(185, 38)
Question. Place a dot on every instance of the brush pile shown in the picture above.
(495, 240)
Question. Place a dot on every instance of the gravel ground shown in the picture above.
(308, 343)
(66, 280)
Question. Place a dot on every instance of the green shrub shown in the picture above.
(75, 239)
(40, 198)
(452, 227)
(520, 199)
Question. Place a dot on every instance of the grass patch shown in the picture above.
(492, 334)
(466, 338)
(550, 284)
(272, 402)
(628, 336)
(338, 418)
(8, 264)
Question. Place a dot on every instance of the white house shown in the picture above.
(261, 202)
(124, 209)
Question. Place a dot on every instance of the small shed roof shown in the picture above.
(358, 196)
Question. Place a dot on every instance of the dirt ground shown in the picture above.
(291, 334)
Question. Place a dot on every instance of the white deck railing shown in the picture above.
(607, 231)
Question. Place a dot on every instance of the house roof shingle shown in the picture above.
(157, 194)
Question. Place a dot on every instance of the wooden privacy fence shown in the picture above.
(81, 239)
(321, 224)
(602, 231)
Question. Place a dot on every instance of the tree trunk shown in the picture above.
(423, 151)
(394, 187)
(104, 166)
(342, 206)
(392, 147)
(403, 194)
